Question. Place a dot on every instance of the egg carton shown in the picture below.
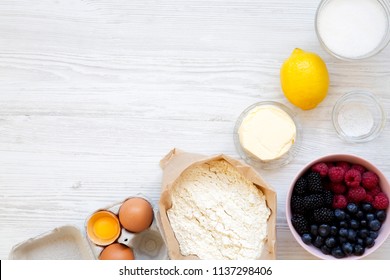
(146, 245)
(68, 242)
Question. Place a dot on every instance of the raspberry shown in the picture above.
(338, 188)
(320, 168)
(369, 198)
(381, 202)
(339, 201)
(375, 191)
(314, 182)
(352, 178)
(359, 168)
(370, 180)
(344, 165)
(336, 174)
(356, 194)
(330, 164)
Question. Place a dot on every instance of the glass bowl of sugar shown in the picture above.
(358, 117)
(353, 29)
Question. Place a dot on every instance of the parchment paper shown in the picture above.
(175, 163)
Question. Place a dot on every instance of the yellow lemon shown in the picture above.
(304, 79)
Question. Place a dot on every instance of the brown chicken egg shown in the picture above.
(117, 251)
(136, 214)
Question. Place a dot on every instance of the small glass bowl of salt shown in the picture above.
(358, 117)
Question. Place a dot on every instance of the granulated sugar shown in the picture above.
(352, 28)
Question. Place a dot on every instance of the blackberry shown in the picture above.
(328, 198)
(313, 201)
(300, 186)
(314, 182)
(323, 215)
(300, 224)
(297, 204)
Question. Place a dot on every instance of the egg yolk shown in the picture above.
(105, 228)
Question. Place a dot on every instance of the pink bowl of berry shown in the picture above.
(337, 207)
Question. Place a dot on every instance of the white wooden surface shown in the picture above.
(93, 93)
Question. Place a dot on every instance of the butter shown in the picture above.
(267, 132)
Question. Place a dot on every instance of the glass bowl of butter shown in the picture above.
(267, 135)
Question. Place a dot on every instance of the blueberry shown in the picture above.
(306, 238)
(343, 224)
(373, 234)
(381, 215)
(370, 217)
(363, 233)
(369, 242)
(363, 223)
(338, 253)
(354, 224)
(318, 241)
(347, 248)
(375, 225)
(367, 207)
(325, 250)
(360, 241)
(358, 250)
(351, 235)
(314, 230)
(342, 239)
(334, 230)
(330, 242)
(324, 230)
(359, 215)
(343, 232)
(339, 214)
(352, 208)
(347, 217)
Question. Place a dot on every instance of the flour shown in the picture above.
(218, 214)
(355, 120)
